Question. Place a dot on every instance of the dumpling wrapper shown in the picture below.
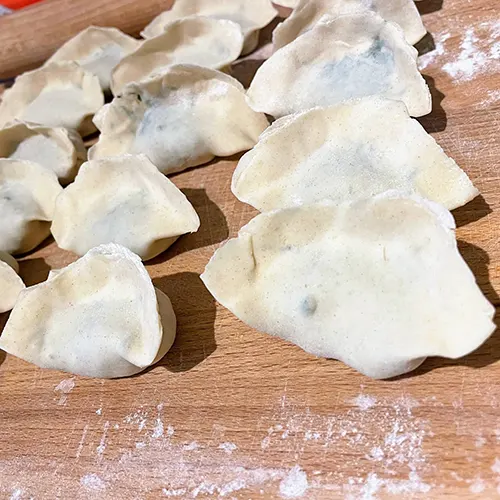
(291, 4)
(123, 200)
(212, 43)
(251, 15)
(97, 50)
(378, 284)
(57, 149)
(339, 59)
(28, 194)
(11, 284)
(55, 95)
(98, 317)
(345, 153)
(180, 119)
(308, 12)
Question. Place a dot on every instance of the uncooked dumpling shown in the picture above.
(338, 59)
(180, 119)
(212, 43)
(123, 200)
(251, 15)
(378, 284)
(11, 284)
(28, 193)
(345, 153)
(99, 317)
(57, 149)
(55, 95)
(309, 12)
(97, 50)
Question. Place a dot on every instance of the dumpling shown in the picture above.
(378, 284)
(180, 119)
(212, 43)
(251, 15)
(345, 153)
(98, 317)
(338, 59)
(11, 284)
(57, 149)
(291, 4)
(28, 194)
(55, 95)
(123, 200)
(97, 50)
(308, 12)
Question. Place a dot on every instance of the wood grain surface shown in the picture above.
(234, 413)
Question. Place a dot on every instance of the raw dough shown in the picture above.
(180, 119)
(212, 43)
(11, 284)
(55, 95)
(338, 59)
(308, 12)
(378, 284)
(57, 149)
(98, 317)
(97, 50)
(124, 200)
(348, 152)
(28, 194)
(251, 15)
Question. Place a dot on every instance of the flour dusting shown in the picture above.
(16, 494)
(364, 402)
(92, 482)
(64, 388)
(102, 445)
(295, 484)
(496, 466)
(82, 441)
(174, 493)
(479, 53)
(158, 429)
(477, 486)
(440, 49)
(228, 447)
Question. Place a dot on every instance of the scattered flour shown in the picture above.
(99, 411)
(82, 441)
(492, 98)
(16, 494)
(295, 484)
(429, 58)
(92, 482)
(174, 493)
(192, 446)
(102, 445)
(477, 486)
(496, 466)
(64, 388)
(139, 418)
(364, 402)
(158, 429)
(480, 442)
(479, 53)
(228, 447)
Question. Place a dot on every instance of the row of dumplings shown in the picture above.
(354, 256)
(335, 263)
(101, 316)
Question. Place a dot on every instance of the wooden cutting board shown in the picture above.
(234, 413)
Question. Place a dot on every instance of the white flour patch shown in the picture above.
(480, 442)
(16, 494)
(158, 429)
(139, 418)
(192, 446)
(92, 482)
(295, 484)
(82, 441)
(364, 401)
(99, 411)
(170, 431)
(174, 493)
(477, 486)
(479, 53)
(431, 57)
(492, 98)
(228, 447)
(496, 466)
(64, 388)
(102, 445)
